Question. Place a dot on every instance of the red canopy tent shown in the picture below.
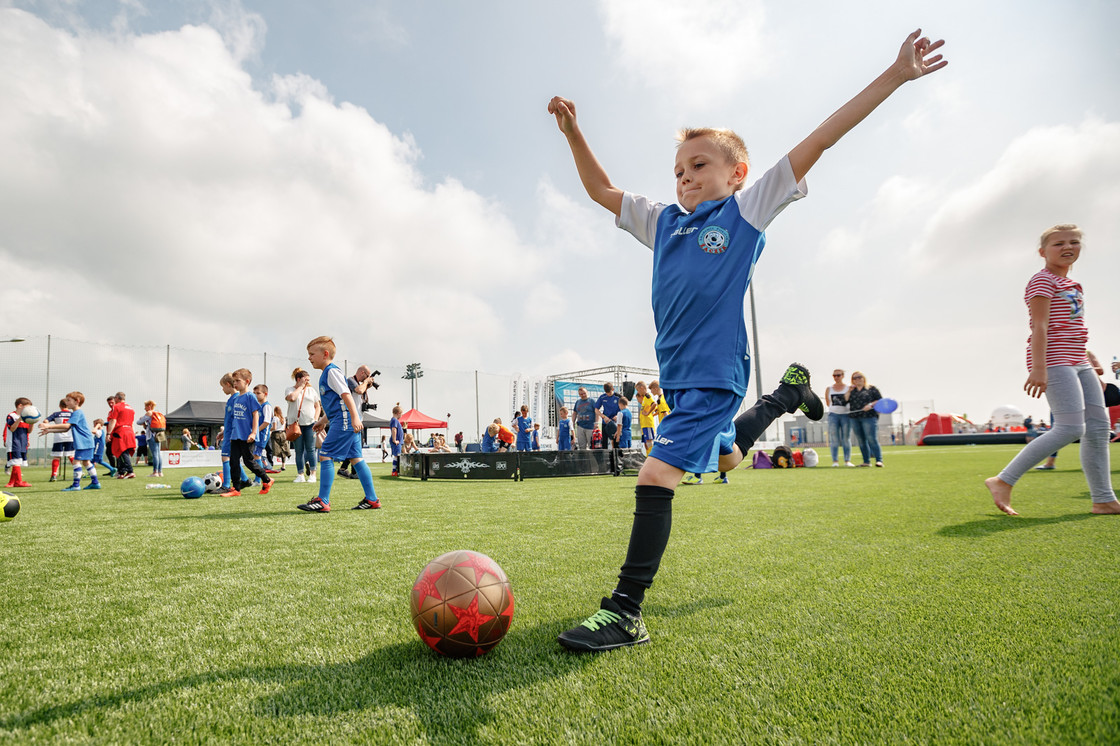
(414, 419)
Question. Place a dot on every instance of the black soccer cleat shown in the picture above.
(797, 376)
(315, 506)
(367, 504)
(608, 628)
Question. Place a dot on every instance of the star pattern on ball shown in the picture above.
(480, 564)
(426, 586)
(469, 619)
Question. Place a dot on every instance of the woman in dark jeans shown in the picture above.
(303, 408)
(865, 420)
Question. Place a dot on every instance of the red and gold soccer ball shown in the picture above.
(462, 604)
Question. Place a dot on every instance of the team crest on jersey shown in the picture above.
(714, 240)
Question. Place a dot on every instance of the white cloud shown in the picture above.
(150, 167)
(700, 49)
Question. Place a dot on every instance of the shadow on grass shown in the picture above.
(448, 697)
(1001, 523)
(231, 516)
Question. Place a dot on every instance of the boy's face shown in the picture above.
(318, 357)
(261, 396)
(240, 384)
(227, 388)
(704, 173)
(70, 402)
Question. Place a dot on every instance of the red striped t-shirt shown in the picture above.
(1066, 334)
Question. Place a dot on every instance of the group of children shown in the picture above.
(247, 425)
(68, 446)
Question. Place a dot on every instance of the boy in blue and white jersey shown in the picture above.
(343, 441)
(704, 252)
(81, 438)
(99, 447)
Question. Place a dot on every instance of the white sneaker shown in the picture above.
(299, 479)
(848, 463)
(311, 478)
(835, 464)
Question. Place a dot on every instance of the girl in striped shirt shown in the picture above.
(1059, 366)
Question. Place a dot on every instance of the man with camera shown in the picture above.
(360, 383)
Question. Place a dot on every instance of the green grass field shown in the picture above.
(810, 606)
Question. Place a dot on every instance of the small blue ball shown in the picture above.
(193, 487)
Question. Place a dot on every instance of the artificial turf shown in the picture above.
(793, 606)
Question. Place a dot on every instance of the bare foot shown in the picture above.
(1111, 508)
(1001, 493)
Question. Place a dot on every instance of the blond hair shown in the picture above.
(243, 374)
(326, 343)
(727, 141)
(1059, 228)
(227, 378)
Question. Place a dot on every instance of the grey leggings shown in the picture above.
(1077, 403)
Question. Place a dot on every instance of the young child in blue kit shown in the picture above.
(343, 441)
(704, 252)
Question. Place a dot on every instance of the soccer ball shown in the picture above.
(192, 487)
(10, 504)
(30, 414)
(213, 483)
(462, 604)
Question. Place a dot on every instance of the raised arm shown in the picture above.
(915, 59)
(591, 173)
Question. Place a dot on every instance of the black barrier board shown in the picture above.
(565, 463)
(412, 465)
(630, 459)
(470, 465)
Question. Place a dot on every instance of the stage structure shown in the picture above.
(563, 388)
(519, 465)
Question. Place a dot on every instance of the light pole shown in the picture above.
(411, 373)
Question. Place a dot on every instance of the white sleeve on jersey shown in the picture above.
(638, 217)
(337, 382)
(761, 202)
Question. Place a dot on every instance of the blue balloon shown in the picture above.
(193, 487)
(885, 406)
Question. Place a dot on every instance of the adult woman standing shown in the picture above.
(839, 421)
(304, 410)
(865, 419)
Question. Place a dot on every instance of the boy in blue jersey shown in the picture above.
(78, 427)
(396, 439)
(563, 430)
(344, 441)
(625, 423)
(704, 253)
(523, 426)
(99, 447)
(490, 439)
(245, 421)
(264, 427)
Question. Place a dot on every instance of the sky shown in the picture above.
(246, 175)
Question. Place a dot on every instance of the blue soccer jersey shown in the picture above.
(702, 264)
(564, 435)
(607, 404)
(264, 430)
(489, 445)
(341, 442)
(241, 419)
(524, 432)
(624, 430)
(79, 428)
(398, 431)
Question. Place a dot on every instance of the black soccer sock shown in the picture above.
(653, 519)
(750, 425)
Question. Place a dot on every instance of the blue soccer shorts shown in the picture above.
(699, 429)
